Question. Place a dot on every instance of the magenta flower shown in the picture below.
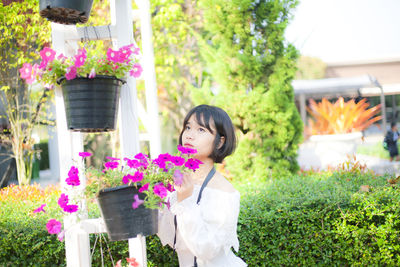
(26, 71)
(164, 157)
(125, 52)
(144, 187)
(113, 56)
(136, 50)
(53, 226)
(47, 54)
(80, 60)
(61, 235)
(160, 190)
(170, 187)
(136, 70)
(70, 208)
(186, 150)
(85, 154)
(43, 64)
(92, 73)
(126, 179)
(192, 164)
(137, 202)
(132, 163)
(73, 180)
(71, 73)
(113, 159)
(73, 171)
(40, 209)
(63, 200)
(177, 161)
(111, 165)
(160, 163)
(178, 177)
(137, 177)
(141, 156)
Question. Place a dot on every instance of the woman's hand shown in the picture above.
(185, 190)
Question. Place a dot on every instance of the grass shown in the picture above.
(374, 149)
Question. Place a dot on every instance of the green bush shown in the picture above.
(306, 220)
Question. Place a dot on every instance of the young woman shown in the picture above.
(201, 223)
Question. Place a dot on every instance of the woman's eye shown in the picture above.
(202, 130)
(187, 128)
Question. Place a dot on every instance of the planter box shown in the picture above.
(322, 151)
(121, 220)
(66, 11)
(91, 105)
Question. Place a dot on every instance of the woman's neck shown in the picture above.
(200, 174)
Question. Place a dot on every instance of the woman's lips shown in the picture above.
(187, 145)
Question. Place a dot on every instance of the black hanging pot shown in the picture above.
(121, 220)
(66, 11)
(91, 105)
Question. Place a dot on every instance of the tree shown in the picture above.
(23, 32)
(252, 68)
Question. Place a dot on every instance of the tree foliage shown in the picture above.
(252, 68)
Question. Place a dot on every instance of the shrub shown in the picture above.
(316, 219)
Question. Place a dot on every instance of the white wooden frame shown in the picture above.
(65, 39)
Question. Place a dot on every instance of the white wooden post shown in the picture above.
(77, 243)
(121, 17)
(149, 76)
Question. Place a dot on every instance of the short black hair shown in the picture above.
(223, 126)
(392, 124)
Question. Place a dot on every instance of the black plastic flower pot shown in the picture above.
(66, 11)
(121, 220)
(91, 105)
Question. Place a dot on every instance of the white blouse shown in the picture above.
(207, 230)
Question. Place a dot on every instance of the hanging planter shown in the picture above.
(91, 105)
(66, 11)
(121, 220)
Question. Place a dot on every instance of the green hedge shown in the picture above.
(314, 220)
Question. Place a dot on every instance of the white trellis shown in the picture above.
(64, 39)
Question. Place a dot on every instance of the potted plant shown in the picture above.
(90, 81)
(335, 128)
(66, 11)
(129, 191)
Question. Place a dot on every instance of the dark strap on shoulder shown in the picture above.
(205, 182)
(208, 178)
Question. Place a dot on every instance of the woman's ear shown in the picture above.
(221, 142)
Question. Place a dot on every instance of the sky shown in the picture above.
(346, 30)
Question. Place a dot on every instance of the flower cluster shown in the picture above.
(152, 177)
(86, 63)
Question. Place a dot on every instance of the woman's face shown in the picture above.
(198, 137)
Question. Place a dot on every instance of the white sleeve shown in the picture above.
(166, 226)
(211, 226)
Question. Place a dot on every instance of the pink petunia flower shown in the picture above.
(137, 202)
(80, 60)
(111, 165)
(71, 73)
(160, 190)
(73, 171)
(40, 209)
(177, 161)
(53, 226)
(125, 52)
(186, 150)
(137, 177)
(132, 163)
(63, 200)
(47, 54)
(136, 70)
(85, 154)
(192, 164)
(70, 208)
(34, 72)
(178, 177)
(73, 180)
(26, 71)
(160, 163)
(92, 73)
(170, 187)
(144, 187)
(126, 178)
(113, 56)
(61, 236)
